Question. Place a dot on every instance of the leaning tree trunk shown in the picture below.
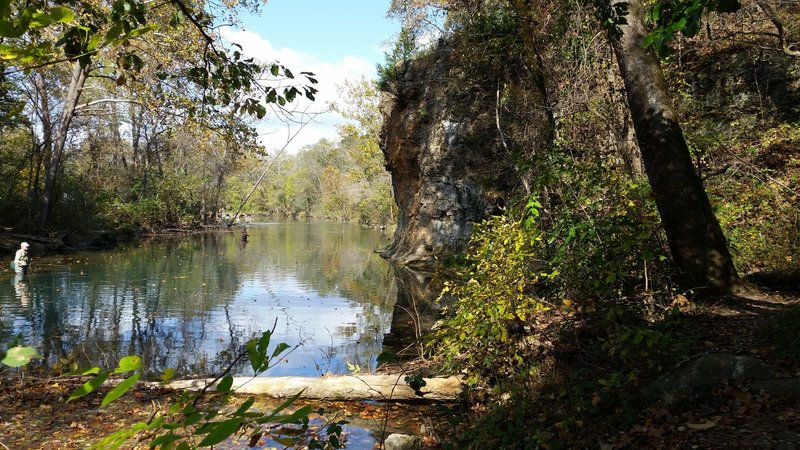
(79, 73)
(698, 246)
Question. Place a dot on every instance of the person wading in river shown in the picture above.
(22, 259)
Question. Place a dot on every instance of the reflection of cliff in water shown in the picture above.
(415, 311)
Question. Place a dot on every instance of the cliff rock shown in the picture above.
(448, 162)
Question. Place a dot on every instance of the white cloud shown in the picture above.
(329, 74)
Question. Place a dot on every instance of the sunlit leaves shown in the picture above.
(89, 387)
(120, 389)
(128, 364)
(226, 79)
(20, 355)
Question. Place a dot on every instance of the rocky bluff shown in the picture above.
(449, 142)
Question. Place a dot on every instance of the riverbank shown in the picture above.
(65, 242)
(36, 416)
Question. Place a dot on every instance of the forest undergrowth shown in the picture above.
(589, 392)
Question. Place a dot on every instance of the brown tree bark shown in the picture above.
(698, 246)
(79, 73)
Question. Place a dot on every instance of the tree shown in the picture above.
(698, 246)
(105, 37)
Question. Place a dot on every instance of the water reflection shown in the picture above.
(21, 289)
(415, 310)
(190, 303)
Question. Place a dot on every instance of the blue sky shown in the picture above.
(335, 40)
(329, 28)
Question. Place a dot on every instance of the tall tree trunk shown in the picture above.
(698, 246)
(46, 149)
(78, 80)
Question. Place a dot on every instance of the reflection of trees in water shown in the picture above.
(105, 306)
(170, 301)
(332, 257)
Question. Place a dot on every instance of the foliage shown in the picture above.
(602, 230)
(493, 299)
(191, 420)
(390, 71)
(344, 180)
(595, 238)
(684, 16)
(648, 344)
(19, 356)
(84, 31)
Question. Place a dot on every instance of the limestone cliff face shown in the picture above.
(448, 164)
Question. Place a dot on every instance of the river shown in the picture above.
(191, 302)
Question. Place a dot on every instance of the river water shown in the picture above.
(191, 302)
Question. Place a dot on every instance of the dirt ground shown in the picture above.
(733, 417)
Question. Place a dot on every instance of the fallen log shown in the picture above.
(346, 387)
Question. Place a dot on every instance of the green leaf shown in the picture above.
(94, 41)
(128, 364)
(121, 388)
(168, 374)
(252, 351)
(88, 387)
(192, 419)
(60, 14)
(19, 356)
(274, 70)
(114, 32)
(282, 406)
(219, 431)
(115, 440)
(280, 349)
(296, 416)
(40, 20)
(225, 384)
(245, 406)
(140, 31)
(163, 440)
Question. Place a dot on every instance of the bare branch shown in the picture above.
(105, 100)
(788, 49)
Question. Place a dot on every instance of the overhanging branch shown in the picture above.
(105, 100)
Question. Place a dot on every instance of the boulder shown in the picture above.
(696, 378)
